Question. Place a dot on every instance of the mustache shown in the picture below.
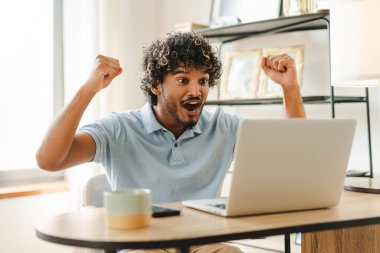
(197, 98)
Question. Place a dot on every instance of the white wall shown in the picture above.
(117, 29)
(136, 27)
(172, 12)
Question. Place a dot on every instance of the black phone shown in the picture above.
(163, 211)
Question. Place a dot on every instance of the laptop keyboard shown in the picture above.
(221, 206)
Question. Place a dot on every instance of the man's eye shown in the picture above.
(203, 81)
(183, 80)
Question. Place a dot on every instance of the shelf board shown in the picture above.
(314, 21)
(273, 101)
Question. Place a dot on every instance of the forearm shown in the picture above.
(282, 70)
(58, 141)
(293, 102)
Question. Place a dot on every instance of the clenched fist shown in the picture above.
(281, 69)
(105, 69)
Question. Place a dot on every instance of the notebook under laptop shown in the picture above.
(285, 165)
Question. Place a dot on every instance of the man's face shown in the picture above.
(181, 97)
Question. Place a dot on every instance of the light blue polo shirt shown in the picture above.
(137, 151)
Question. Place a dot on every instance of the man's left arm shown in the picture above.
(282, 70)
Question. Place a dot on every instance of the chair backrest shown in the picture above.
(93, 190)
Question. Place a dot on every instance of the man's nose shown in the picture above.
(195, 89)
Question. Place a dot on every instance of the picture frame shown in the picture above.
(269, 89)
(226, 12)
(240, 78)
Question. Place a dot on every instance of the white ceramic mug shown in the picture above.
(128, 209)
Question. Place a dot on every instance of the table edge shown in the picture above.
(176, 243)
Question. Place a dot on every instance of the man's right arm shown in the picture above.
(62, 147)
(282, 70)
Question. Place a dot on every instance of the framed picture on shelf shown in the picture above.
(226, 12)
(269, 89)
(240, 78)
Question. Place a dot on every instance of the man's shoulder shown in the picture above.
(127, 115)
(117, 126)
(218, 114)
(120, 119)
(220, 118)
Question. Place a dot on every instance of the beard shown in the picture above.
(173, 112)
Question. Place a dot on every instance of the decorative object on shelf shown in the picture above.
(298, 7)
(269, 89)
(224, 21)
(355, 62)
(223, 12)
(241, 74)
(188, 27)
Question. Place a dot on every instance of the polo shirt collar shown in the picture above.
(149, 119)
(151, 123)
(197, 128)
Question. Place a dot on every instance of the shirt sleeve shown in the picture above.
(103, 132)
(230, 123)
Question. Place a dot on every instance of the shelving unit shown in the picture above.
(283, 24)
(317, 21)
(306, 100)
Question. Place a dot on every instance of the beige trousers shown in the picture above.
(209, 248)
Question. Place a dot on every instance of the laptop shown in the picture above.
(285, 165)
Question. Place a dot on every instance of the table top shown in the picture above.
(86, 228)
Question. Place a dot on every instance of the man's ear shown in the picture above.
(156, 89)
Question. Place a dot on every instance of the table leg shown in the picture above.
(184, 249)
(287, 243)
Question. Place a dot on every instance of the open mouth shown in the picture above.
(192, 106)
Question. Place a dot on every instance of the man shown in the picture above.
(171, 145)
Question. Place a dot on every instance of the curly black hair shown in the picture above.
(177, 50)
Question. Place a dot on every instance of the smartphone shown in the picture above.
(164, 211)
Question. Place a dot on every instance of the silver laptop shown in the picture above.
(285, 165)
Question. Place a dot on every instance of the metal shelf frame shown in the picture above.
(316, 21)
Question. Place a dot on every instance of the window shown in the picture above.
(28, 79)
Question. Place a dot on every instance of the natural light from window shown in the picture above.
(26, 79)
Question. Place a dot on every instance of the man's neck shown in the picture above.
(170, 124)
